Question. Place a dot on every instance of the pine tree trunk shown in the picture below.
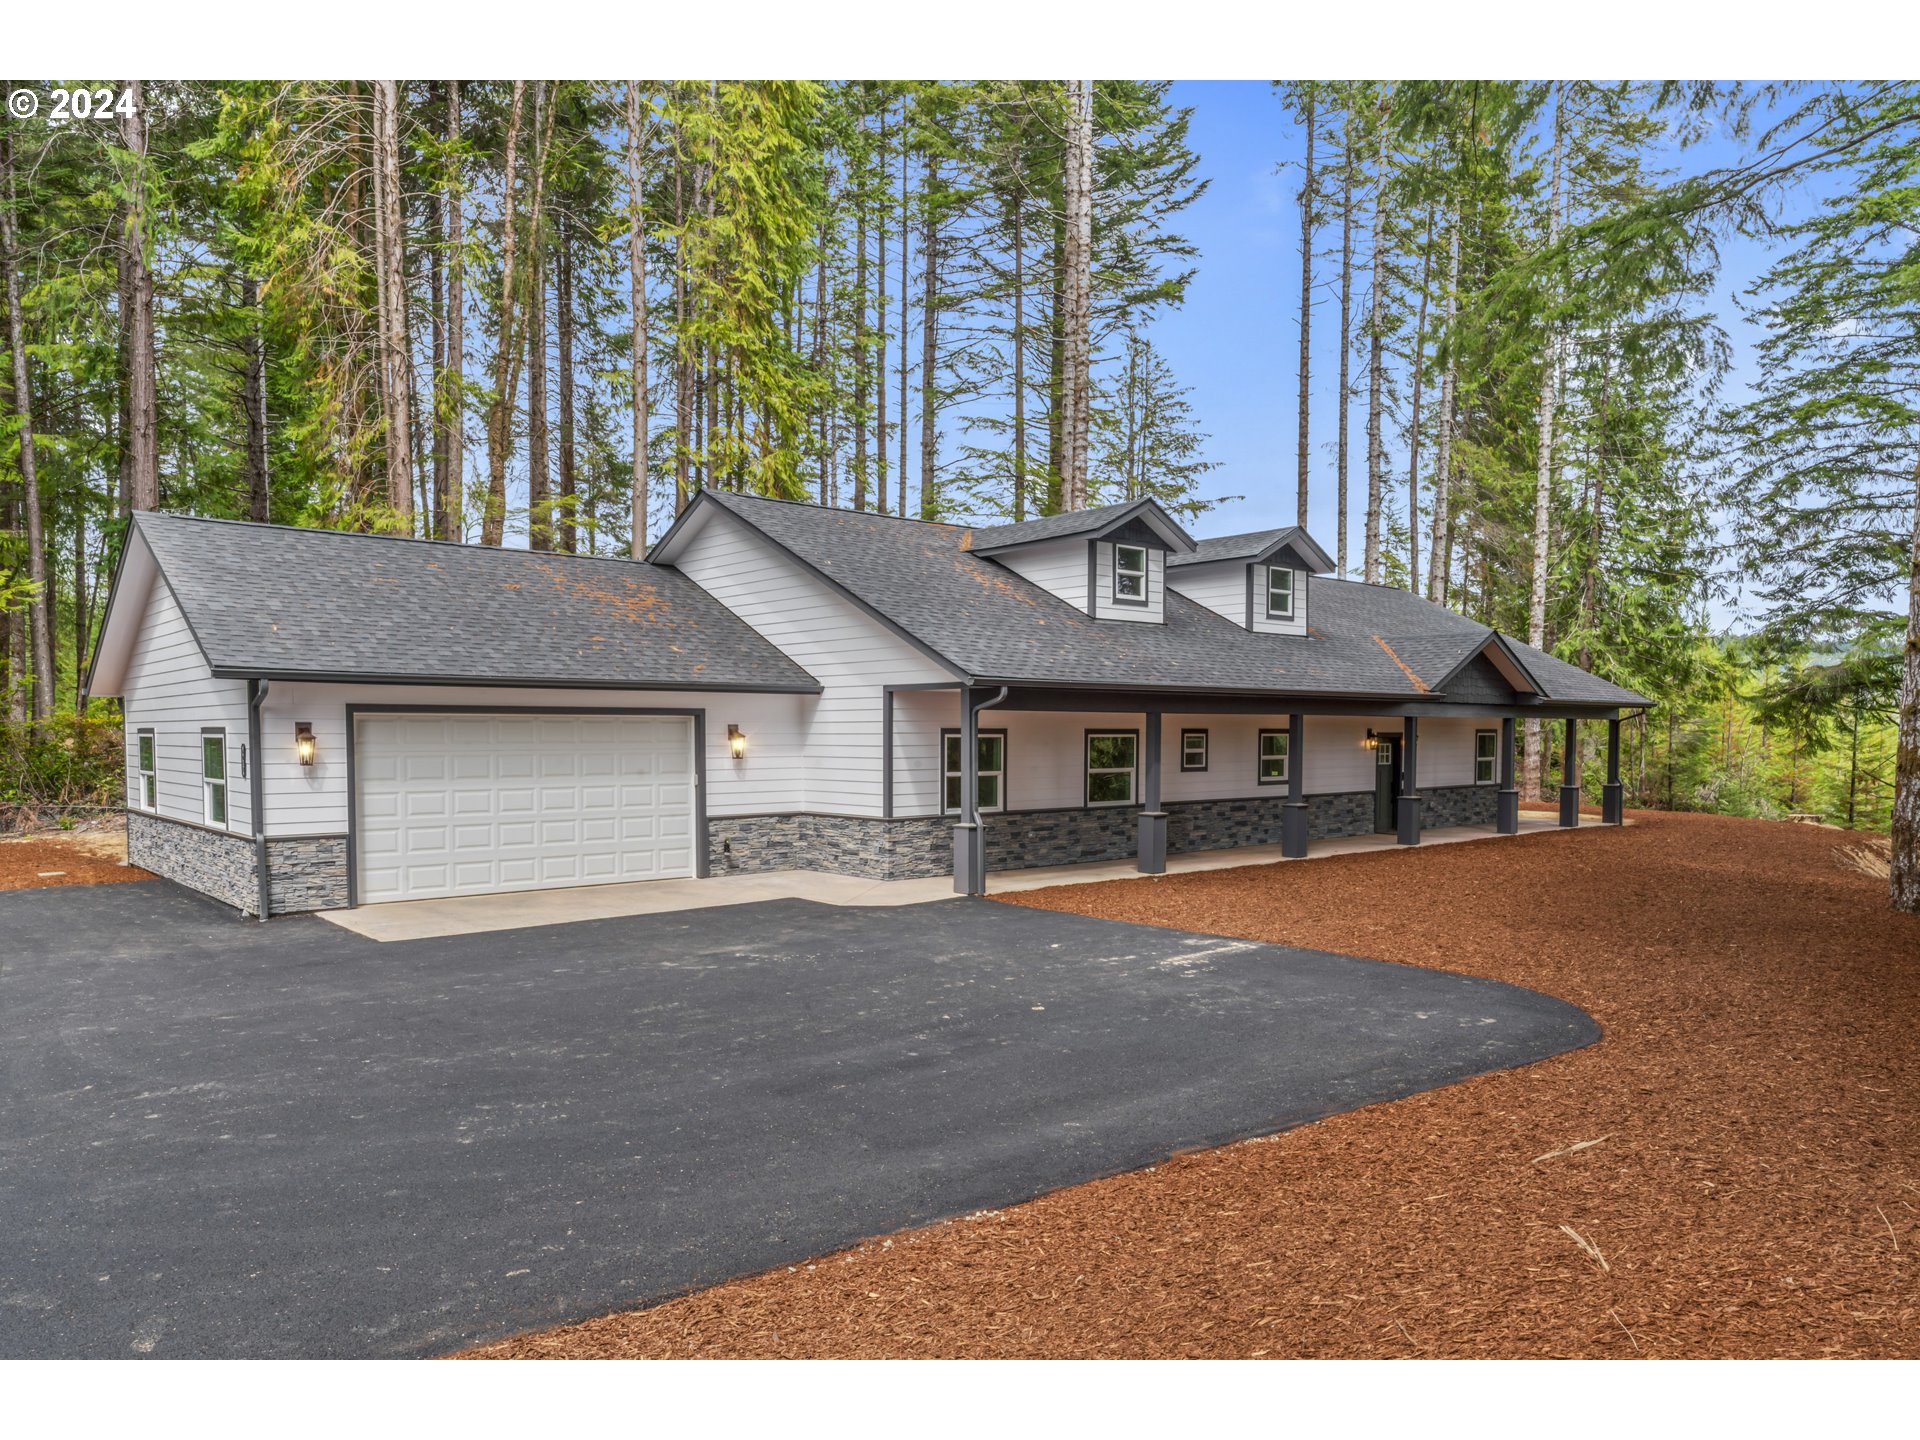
(39, 613)
(143, 441)
(861, 359)
(1306, 309)
(1346, 342)
(566, 522)
(880, 338)
(1438, 558)
(682, 371)
(390, 258)
(929, 347)
(500, 411)
(1019, 359)
(820, 351)
(253, 400)
(539, 442)
(437, 340)
(1376, 446)
(1413, 432)
(637, 295)
(1903, 876)
(80, 625)
(451, 405)
(1076, 330)
(905, 227)
(1543, 474)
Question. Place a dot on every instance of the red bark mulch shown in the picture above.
(64, 860)
(1733, 1171)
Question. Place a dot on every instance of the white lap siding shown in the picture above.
(853, 656)
(1046, 753)
(312, 800)
(170, 690)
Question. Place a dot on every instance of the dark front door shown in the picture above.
(1386, 784)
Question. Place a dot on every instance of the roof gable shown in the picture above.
(279, 601)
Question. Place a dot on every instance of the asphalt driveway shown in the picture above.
(220, 1138)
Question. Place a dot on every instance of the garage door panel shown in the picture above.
(468, 804)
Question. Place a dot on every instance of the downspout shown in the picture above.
(256, 790)
(975, 868)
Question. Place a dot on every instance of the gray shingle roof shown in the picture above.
(992, 624)
(1067, 523)
(275, 600)
(1255, 542)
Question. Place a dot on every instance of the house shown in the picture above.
(317, 719)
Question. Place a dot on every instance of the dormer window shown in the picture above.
(1130, 574)
(1279, 593)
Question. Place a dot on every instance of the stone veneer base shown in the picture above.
(1030, 839)
(305, 872)
(310, 872)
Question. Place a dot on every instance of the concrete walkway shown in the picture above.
(528, 909)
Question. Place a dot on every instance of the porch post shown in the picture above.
(1507, 810)
(1613, 799)
(968, 876)
(1409, 811)
(1293, 814)
(1570, 777)
(1153, 820)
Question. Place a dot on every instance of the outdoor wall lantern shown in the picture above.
(303, 745)
(737, 742)
(1372, 742)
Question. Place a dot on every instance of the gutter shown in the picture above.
(256, 790)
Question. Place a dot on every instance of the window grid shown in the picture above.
(213, 777)
(1486, 757)
(1274, 756)
(1193, 749)
(1279, 593)
(992, 777)
(1130, 574)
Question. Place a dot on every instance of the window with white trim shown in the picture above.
(992, 788)
(1113, 762)
(1193, 749)
(147, 777)
(1279, 593)
(1130, 574)
(1275, 746)
(1486, 757)
(213, 777)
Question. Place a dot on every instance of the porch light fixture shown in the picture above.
(1372, 742)
(303, 744)
(736, 742)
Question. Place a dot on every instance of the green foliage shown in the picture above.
(66, 760)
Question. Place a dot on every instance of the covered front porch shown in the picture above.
(1394, 811)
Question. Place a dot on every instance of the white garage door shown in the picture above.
(471, 804)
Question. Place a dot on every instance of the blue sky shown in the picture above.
(1236, 341)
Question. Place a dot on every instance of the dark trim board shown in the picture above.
(502, 682)
(698, 717)
(1183, 701)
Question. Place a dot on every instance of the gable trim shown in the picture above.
(1503, 659)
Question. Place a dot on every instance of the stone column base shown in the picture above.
(1613, 804)
(1570, 806)
(1507, 818)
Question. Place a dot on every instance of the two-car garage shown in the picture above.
(474, 804)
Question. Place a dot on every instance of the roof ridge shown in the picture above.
(172, 515)
(835, 509)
